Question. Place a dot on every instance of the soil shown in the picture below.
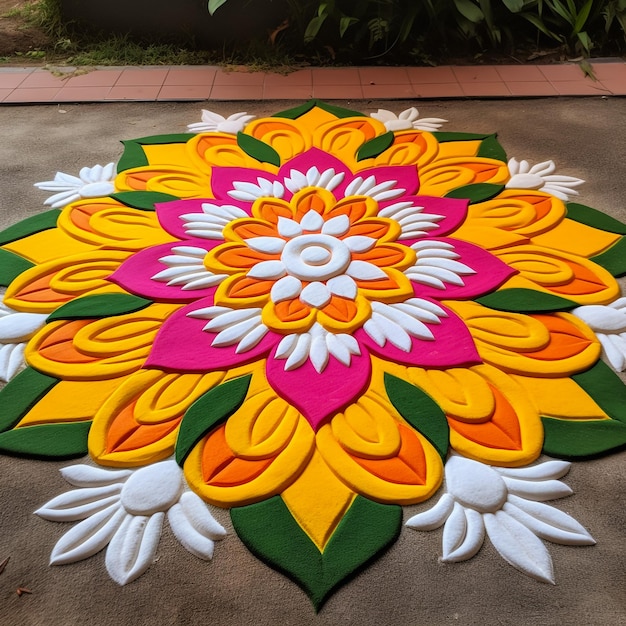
(16, 35)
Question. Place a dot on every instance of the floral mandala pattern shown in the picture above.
(313, 319)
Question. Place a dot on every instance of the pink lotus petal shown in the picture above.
(452, 346)
(491, 272)
(405, 176)
(135, 274)
(319, 396)
(182, 345)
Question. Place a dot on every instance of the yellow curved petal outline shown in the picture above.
(172, 179)
(334, 325)
(166, 153)
(106, 222)
(300, 324)
(576, 238)
(462, 148)
(97, 349)
(479, 441)
(47, 245)
(442, 176)
(318, 500)
(563, 274)
(412, 147)
(284, 135)
(310, 121)
(43, 288)
(562, 398)
(274, 477)
(207, 150)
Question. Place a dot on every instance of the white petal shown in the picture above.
(336, 226)
(133, 547)
(319, 354)
(548, 522)
(89, 476)
(286, 346)
(296, 181)
(343, 286)
(11, 360)
(202, 280)
(614, 352)
(236, 333)
(393, 332)
(543, 490)
(267, 270)
(542, 471)
(312, 221)
(80, 503)
(189, 537)
(454, 531)
(316, 295)
(434, 517)
(338, 349)
(223, 321)
(252, 338)
(18, 327)
(350, 342)
(97, 190)
(383, 115)
(88, 537)
(601, 318)
(518, 546)
(409, 114)
(300, 353)
(286, 288)
(200, 517)
(375, 332)
(473, 540)
(359, 243)
(403, 319)
(288, 228)
(269, 245)
(362, 270)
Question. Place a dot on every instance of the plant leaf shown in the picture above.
(469, 10)
(374, 147)
(11, 266)
(582, 438)
(271, 533)
(520, 300)
(29, 226)
(47, 441)
(606, 388)
(144, 200)
(477, 192)
(421, 411)
(258, 149)
(592, 217)
(208, 411)
(133, 156)
(614, 259)
(443, 137)
(100, 305)
(214, 5)
(21, 394)
(490, 148)
(298, 111)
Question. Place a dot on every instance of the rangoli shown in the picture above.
(312, 320)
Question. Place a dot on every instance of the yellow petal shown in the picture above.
(576, 238)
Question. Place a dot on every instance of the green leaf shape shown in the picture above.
(298, 111)
(214, 5)
(208, 411)
(133, 156)
(490, 148)
(421, 411)
(606, 388)
(613, 260)
(47, 441)
(592, 217)
(271, 533)
(374, 147)
(143, 200)
(575, 439)
(99, 305)
(11, 266)
(477, 192)
(443, 137)
(30, 226)
(20, 394)
(258, 149)
(520, 300)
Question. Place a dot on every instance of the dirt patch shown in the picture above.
(17, 36)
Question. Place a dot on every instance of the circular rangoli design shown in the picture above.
(312, 320)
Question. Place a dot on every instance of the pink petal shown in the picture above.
(404, 175)
(223, 179)
(182, 345)
(135, 274)
(491, 272)
(452, 346)
(318, 396)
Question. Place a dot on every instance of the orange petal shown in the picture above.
(232, 258)
(388, 255)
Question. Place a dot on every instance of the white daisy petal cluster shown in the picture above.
(210, 223)
(542, 177)
(214, 122)
(437, 265)
(125, 510)
(608, 322)
(185, 267)
(91, 182)
(407, 120)
(16, 329)
(507, 505)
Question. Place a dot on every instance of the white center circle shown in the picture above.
(315, 257)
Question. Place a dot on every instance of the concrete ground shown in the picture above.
(407, 586)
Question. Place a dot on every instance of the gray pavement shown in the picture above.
(407, 586)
